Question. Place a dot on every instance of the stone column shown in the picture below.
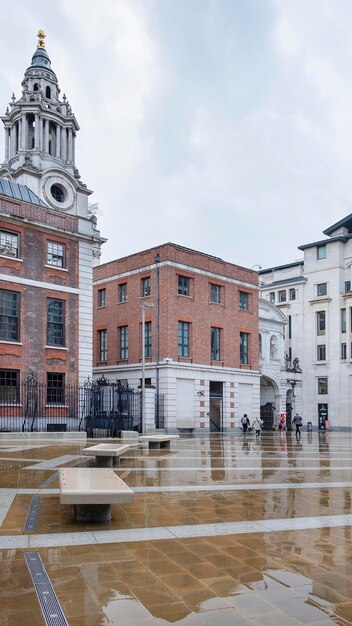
(7, 143)
(58, 142)
(46, 136)
(36, 132)
(64, 144)
(24, 134)
(13, 140)
(73, 148)
(70, 150)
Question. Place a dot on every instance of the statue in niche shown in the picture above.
(273, 347)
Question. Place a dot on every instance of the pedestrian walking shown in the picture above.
(257, 425)
(245, 423)
(297, 420)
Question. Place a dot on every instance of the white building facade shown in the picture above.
(315, 296)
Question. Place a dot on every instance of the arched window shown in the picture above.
(35, 87)
(47, 92)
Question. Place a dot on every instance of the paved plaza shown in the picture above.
(223, 531)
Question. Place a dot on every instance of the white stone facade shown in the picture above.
(315, 295)
(280, 384)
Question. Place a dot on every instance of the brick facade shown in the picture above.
(196, 308)
(30, 276)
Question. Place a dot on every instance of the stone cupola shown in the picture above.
(40, 134)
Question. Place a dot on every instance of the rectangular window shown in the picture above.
(55, 326)
(290, 326)
(343, 351)
(9, 386)
(244, 348)
(122, 291)
(103, 345)
(292, 294)
(123, 331)
(321, 353)
(183, 286)
(9, 244)
(183, 339)
(148, 340)
(9, 315)
(322, 289)
(101, 297)
(321, 252)
(244, 300)
(322, 386)
(343, 321)
(347, 286)
(55, 390)
(145, 287)
(321, 322)
(215, 294)
(215, 344)
(272, 297)
(55, 254)
(282, 296)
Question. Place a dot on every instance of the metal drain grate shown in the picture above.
(48, 481)
(32, 517)
(49, 604)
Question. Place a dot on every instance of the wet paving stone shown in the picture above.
(280, 575)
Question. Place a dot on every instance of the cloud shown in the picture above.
(222, 126)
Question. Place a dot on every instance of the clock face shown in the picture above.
(58, 192)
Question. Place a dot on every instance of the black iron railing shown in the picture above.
(100, 408)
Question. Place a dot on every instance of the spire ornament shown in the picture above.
(41, 36)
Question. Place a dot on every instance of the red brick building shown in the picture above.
(201, 335)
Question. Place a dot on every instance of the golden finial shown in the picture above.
(41, 37)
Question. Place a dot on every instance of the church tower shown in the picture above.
(40, 135)
(49, 239)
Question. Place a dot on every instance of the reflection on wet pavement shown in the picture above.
(276, 578)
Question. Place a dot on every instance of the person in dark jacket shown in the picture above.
(298, 421)
(245, 423)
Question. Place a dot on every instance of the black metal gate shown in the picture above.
(101, 408)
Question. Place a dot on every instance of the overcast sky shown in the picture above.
(221, 125)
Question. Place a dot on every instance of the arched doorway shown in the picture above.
(268, 395)
(289, 405)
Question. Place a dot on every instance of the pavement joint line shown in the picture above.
(174, 532)
(257, 468)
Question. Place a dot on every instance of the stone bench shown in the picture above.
(107, 454)
(158, 441)
(92, 491)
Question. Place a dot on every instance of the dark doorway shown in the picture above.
(215, 405)
(322, 415)
(267, 415)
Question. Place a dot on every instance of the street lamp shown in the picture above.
(145, 305)
(157, 300)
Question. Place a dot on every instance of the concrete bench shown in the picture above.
(158, 441)
(92, 491)
(107, 454)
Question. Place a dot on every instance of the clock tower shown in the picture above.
(40, 135)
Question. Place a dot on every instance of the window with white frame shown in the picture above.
(292, 294)
(282, 295)
(9, 243)
(322, 289)
(321, 322)
(321, 252)
(55, 254)
(321, 352)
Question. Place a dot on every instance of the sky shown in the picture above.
(220, 125)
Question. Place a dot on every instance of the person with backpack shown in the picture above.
(298, 421)
(257, 425)
(245, 423)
